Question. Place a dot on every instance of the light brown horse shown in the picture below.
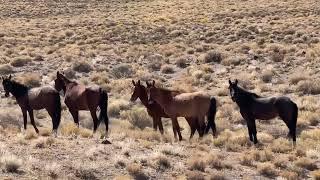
(30, 99)
(197, 105)
(79, 97)
(155, 111)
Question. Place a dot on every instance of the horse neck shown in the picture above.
(245, 98)
(144, 99)
(19, 90)
(163, 101)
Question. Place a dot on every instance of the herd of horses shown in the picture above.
(159, 102)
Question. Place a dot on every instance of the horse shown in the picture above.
(155, 111)
(196, 105)
(30, 99)
(253, 106)
(79, 97)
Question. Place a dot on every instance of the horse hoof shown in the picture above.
(105, 142)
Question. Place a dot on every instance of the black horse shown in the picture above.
(253, 106)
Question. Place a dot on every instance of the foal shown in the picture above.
(196, 105)
(79, 97)
(155, 111)
(254, 107)
(30, 99)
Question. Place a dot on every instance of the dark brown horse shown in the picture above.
(253, 106)
(154, 109)
(30, 99)
(196, 105)
(79, 97)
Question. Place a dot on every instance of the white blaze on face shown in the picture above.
(232, 92)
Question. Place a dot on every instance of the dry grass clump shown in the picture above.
(266, 76)
(296, 78)
(277, 53)
(115, 107)
(212, 56)
(306, 163)
(21, 61)
(289, 175)
(11, 163)
(218, 176)
(163, 162)
(216, 162)
(138, 117)
(246, 160)
(195, 175)
(196, 163)
(281, 145)
(31, 79)
(122, 71)
(181, 62)
(71, 129)
(53, 170)
(309, 87)
(30, 134)
(167, 69)
(233, 60)
(266, 169)
(281, 162)
(85, 172)
(82, 66)
(135, 170)
(6, 69)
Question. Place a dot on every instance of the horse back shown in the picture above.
(41, 97)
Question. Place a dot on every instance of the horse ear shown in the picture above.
(58, 73)
(236, 82)
(10, 77)
(138, 82)
(133, 83)
(153, 82)
(230, 82)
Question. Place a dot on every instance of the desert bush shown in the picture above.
(296, 78)
(163, 162)
(306, 163)
(31, 79)
(281, 145)
(11, 163)
(246, 160)
(82, 66)
(21, 61)
(122, 71)
(233, 60)
(217, 176)
(138, 117)
(266, 76)
(211, 56)
(289, 175)
(84, 172)
(195, 175)
(309, 87)
(197, 163)
(181, 62)
(135, 170)
(167, 69)
(115, 107)
(266, 169)
(216, 162)
(6, 69)
(53, 170)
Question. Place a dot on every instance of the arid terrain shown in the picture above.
(272, 47)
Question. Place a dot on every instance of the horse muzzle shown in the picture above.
(6, 94)
(150, 101)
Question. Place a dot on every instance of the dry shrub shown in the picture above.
(6, 69)
(196, 163)
(135, 170)
(246, 160)
(266, 169)
(266, 76)
(31, 79)
(181, 62)
(281, 145)
(306, 163)
(85, 172)
(82, 66)
(71, 129)
(154, 66)
(277, 53)
(138, 117)
(53, 170)
(296, 78)
(30, 134)
(233, 60)
(211, 56)
(313, 135)
(21, 61)
(309, 87)
(218, 176)
(11, 163)
(216, 162)
(281, 162)
(263, 156)
(289, 175)
(122, 71)
(195, 175)
(115, 107)
(167, 69)
(163, 162)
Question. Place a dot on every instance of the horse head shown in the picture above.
(234, 89)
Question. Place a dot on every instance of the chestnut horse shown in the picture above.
(196, 105)
(30, 99)
(253, 106)
(79, 97)
(154, 109)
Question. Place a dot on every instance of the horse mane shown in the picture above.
(170, 92)
(242, 90)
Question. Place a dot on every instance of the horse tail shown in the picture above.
(103, 104)
(294, 121)
(211, 116)
(57, 112)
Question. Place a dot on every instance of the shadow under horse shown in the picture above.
(80, 97)
(30, 99)
(155, 111)
(197, 105)
(253, 106)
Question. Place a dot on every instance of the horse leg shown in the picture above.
(32, 120)
(55, 121)
(160, 125)
(249, 124)
(155, 123)
(75, 115)
(176, 128)
(24, 113)
(202, 125)
(95, 120)
(192, 125)
(254, 132)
